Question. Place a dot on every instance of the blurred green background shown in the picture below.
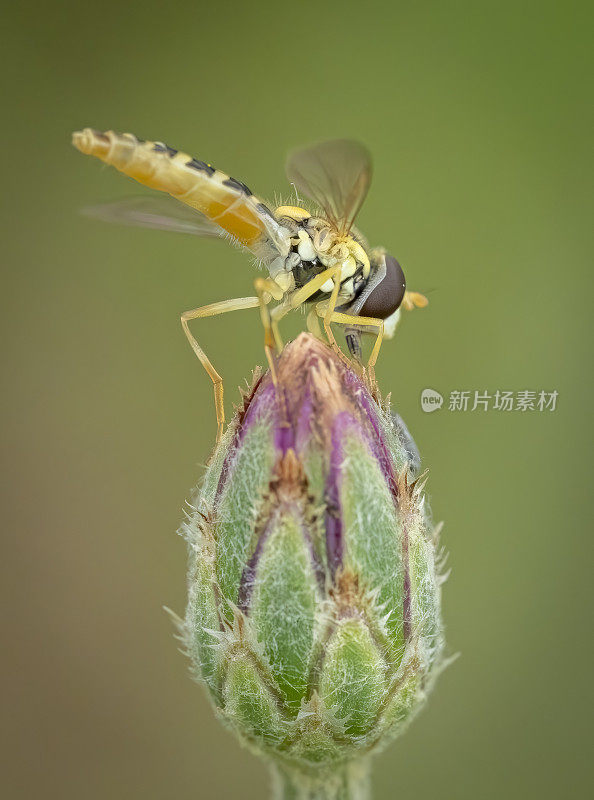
(479, 119)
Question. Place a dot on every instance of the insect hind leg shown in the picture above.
(211, 310)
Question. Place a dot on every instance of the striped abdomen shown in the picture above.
(224, 200)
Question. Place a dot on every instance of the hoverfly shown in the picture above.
(316, 258)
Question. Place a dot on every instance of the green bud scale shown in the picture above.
(313, 613)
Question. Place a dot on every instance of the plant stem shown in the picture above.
(349, 781)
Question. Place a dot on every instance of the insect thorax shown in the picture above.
(316, 246)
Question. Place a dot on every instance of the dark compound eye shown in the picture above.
(387, 295)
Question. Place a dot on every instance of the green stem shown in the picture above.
(348, 781)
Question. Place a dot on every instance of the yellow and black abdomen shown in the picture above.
(225, 201)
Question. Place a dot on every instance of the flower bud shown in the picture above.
(314, 605)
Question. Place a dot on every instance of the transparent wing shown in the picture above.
(161, 212)
(335, 175)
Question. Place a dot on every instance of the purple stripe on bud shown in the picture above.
(284, 437)
(249, 572)
(380, 445)
(256, 405)
(334, 538)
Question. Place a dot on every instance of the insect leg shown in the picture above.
(354, 321)
(301, 296)
(267, 289)
(212, 310)
(330, 311)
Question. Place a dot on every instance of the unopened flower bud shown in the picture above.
(314, 604)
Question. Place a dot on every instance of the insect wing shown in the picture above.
(160, 212)
(336, 175)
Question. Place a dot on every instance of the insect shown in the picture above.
(317, 258)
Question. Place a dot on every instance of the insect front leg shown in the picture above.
(354, 321)
(329, 312)
(212, 310)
